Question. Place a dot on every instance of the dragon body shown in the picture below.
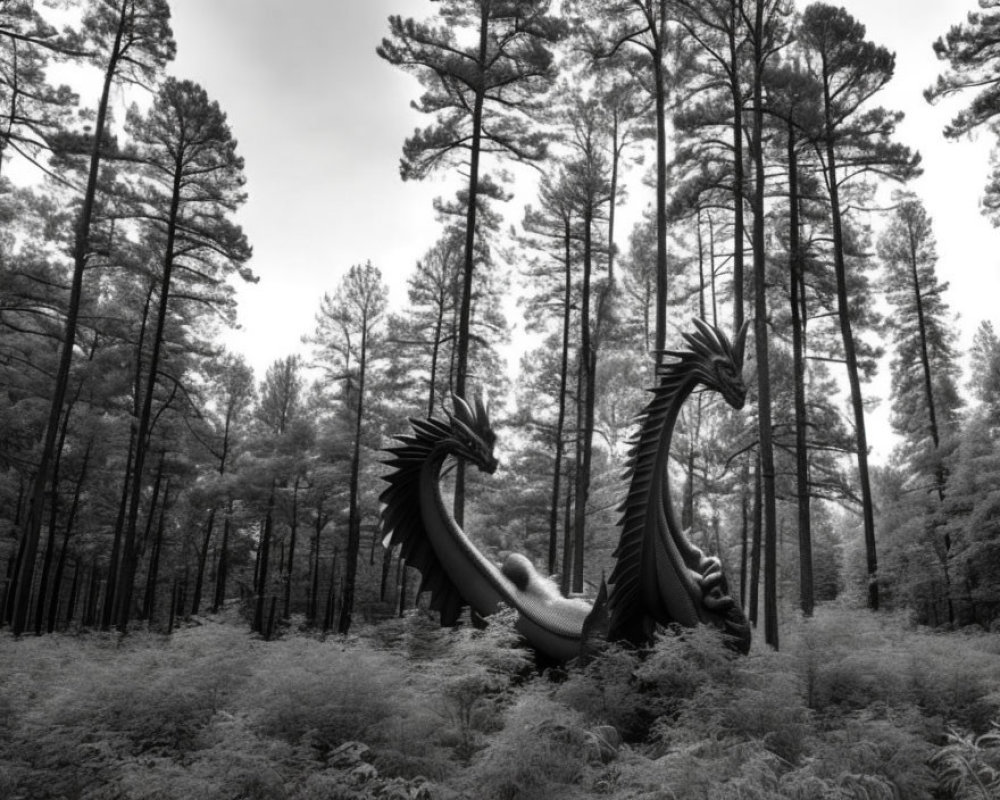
(453, 570)
(659, 576)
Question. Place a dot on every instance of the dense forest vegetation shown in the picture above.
(149, 479)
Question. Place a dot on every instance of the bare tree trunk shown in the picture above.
(588, 366)
(758, 518)
(292, 535)
(74, 589)
(851, 359)
(67, 533)
(354, 513)
(465, 309)
(761, 337)
(264, 555)
(129, 556)
(561, 417)
(223, 570)
(152, 576)
(797, 296)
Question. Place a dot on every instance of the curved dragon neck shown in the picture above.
(686, 558)
(657, 570)
(417, 518)
(661, 475)
(487, 586)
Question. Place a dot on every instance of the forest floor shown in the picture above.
(855, 705)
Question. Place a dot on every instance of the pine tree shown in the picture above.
(636, 35)
(34, 112)
(971, 53)
(132, 41)
(766, 37)
(347, 342)
(925, 399)
(480, 94)
(851, 70)
(193, 182)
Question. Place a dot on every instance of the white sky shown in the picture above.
(321, 119)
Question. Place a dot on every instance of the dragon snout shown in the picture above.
(489, 464)
(737, 395)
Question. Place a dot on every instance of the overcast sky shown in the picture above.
(321, 120)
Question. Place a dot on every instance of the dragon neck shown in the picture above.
(482, 583)
(549, 621)
(674, 398)
(673, 560)
(661, 474)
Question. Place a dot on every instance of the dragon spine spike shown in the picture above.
(467, 430)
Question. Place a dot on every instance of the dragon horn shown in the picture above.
(481, 413)
(463, 411)
(713, 334)
(700, 344)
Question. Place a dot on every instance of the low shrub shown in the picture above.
(538, 754)
(327, 691)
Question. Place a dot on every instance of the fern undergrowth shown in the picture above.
(855, 706)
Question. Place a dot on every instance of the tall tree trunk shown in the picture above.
(439, 323)
(565, 577)
(755, 545)
(199, 572)
(797, 296)
(939, 469)
(563, 385)
(152, 577)
(13, 564)
(116, 544)
(50, 543)
(174, 591)
(292, 535)
(739, 178)
(744, 532)
(264, 556)
(223, 569)
(588, 369)
(89, 613)
(465, 311)
(761, 341)
(314, 583)
(331, 595)
(67, 533)
(354, 513)
(660, 91)
(74, 589)
(81, 253)
(850, 353)
(129, 555)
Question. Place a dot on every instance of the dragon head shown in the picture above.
(717, 362)
(472, 438)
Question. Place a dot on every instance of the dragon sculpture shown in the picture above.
(659, 576)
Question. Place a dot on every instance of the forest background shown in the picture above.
(602, 172)
(223, 471)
